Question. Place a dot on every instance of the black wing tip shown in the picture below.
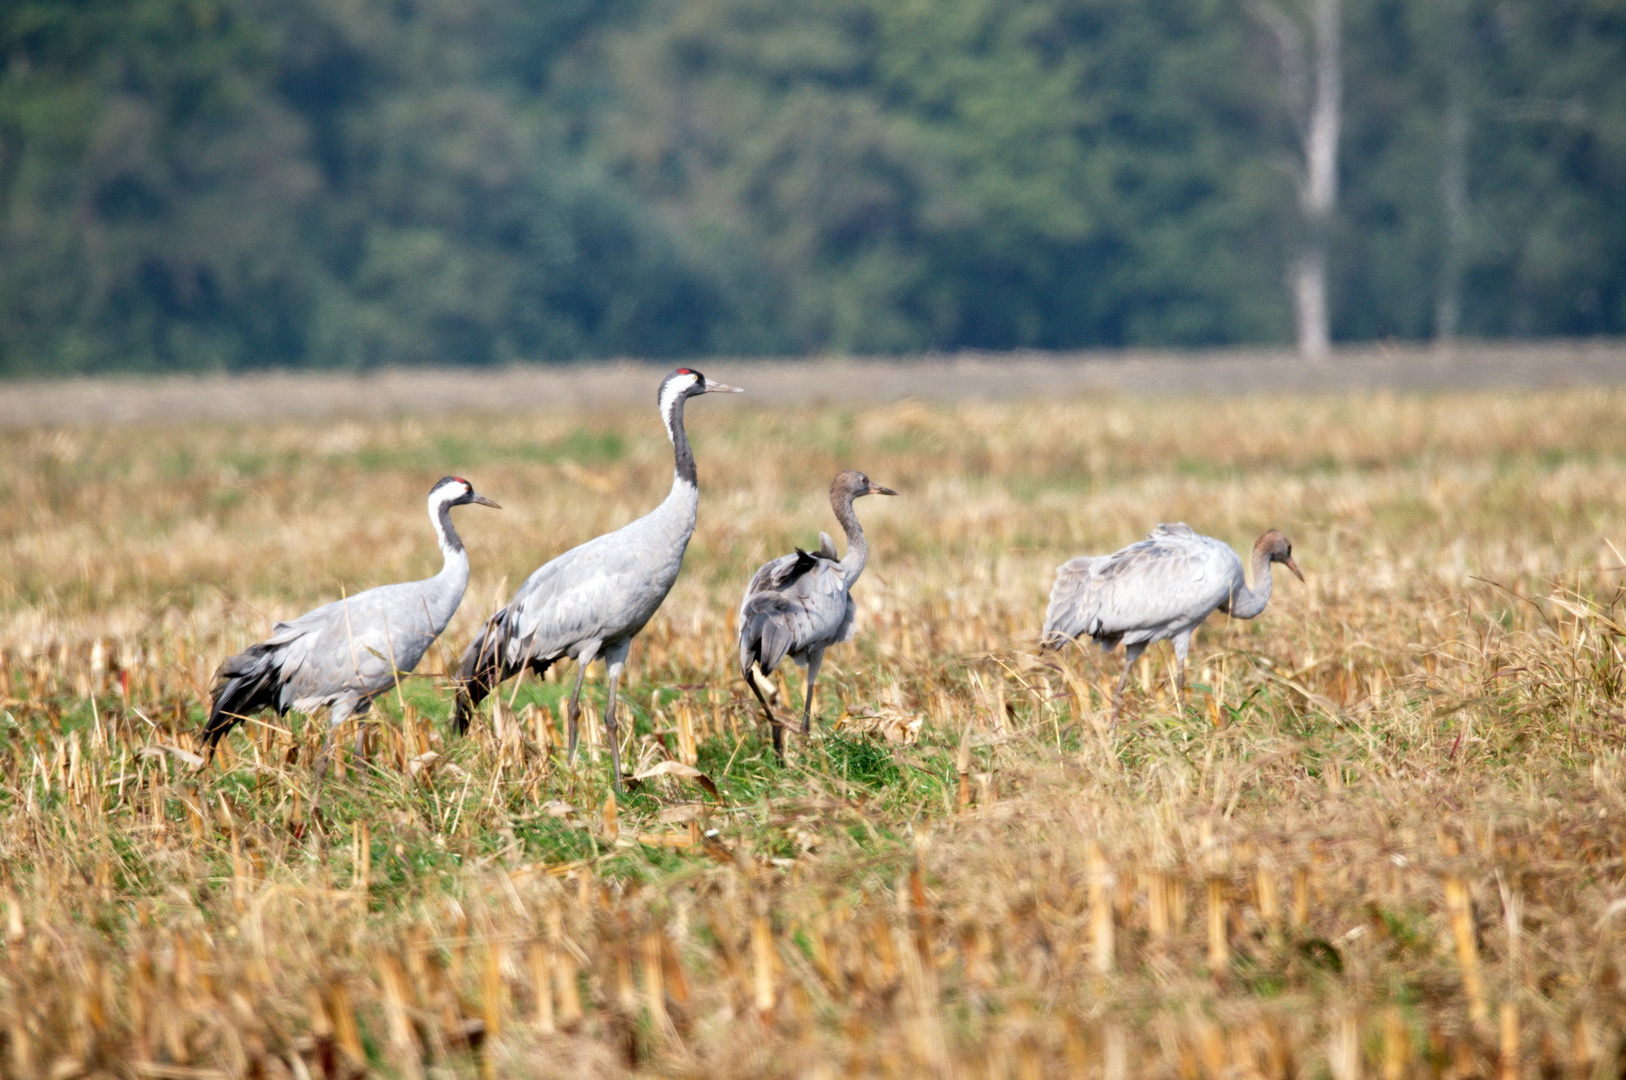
(231, 708)
(755, 630)
(245, 684)
(214, 731)
(482, 667)
(466, 700)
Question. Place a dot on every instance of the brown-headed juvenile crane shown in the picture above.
(344, 654)
(798, 605)
(1159, 589)
(590, 602)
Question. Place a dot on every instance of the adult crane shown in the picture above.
(344, 654)
(800, 604)
(590, 602)
(1158, 589)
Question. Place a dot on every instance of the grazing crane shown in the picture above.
(591, 601)
(344, 654)
(1158, 589)
(799, 605)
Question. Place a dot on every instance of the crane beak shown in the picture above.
(1293, 566)
(483, 501)
(715, 387)
(877, 489)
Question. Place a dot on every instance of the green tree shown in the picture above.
(224, 183)
(192, 184)
(954, 173)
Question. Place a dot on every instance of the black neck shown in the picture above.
(449, 540)
(682, 456)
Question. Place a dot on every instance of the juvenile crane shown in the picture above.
(344, 654)
(1158, 589)
(798, 605)
(591, 601)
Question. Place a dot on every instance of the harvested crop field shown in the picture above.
(1382, 834)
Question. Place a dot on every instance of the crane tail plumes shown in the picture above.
(1065, 618)
(483, 666)
(245, 684)
(764, 638)
(480, 669)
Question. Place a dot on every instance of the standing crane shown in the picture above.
(798, 605)
(344, 654)
(591, 601)
(1158, 589)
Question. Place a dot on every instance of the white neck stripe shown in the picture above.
(440, 500)
(671, 393)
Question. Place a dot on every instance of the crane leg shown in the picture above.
(361, 729)
(573, 710)
(611, 734)
(336, 716)
(1131, 654)
(1182, 646)
(814, 659)
(767, 711)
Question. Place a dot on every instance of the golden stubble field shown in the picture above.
(1381, 836)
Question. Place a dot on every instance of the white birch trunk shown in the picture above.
(1454, 194)
(1319, 194)
(1314, 90)
(1309, 280)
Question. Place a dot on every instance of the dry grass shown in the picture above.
(1382, 836)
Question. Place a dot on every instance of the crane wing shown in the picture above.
(776, 574)
(845, 629)
(353, 646)
(806, 605)
(348, 648)
(1173, 578)
(1072, 600)
(585, 594)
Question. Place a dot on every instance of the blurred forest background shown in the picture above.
(224, 184)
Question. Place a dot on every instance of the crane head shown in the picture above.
(456, 491)
(852, 484)
(1277, 548)
(688, 382)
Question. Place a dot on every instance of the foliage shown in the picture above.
(231, 183)
(205, 184)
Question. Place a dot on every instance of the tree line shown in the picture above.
(226, 184)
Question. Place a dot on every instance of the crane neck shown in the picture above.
(451, 545)
(852, 563)
(683, 472)
(1248, 603)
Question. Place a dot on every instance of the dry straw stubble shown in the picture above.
(1381, 836)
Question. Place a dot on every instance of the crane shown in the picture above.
(800, 604)
(590, 602)
(1158, 589)
(344, 654)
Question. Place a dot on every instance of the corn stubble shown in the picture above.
(1382, 836)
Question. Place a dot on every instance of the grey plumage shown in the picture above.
(1159, 589)
(344, 654)
(800, 604)
(590, 602)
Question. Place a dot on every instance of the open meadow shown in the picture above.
(1382, 835)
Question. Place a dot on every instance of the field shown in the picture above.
(1381, 835)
